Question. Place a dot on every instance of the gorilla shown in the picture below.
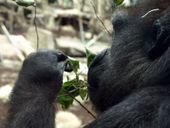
(133, 88)
(128, 84)
(33, 96)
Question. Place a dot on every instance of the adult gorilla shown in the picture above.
(129, 84)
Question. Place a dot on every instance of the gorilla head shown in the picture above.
(139, 56)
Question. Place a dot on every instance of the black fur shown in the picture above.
(130, 83)
(39, 81)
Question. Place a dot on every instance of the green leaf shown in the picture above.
(25, 3)
(75, 64)
(118, 2)
(69, 83)
(83, 93)
(90, 57)
(67, 92)
(72, 88)
(65, 101)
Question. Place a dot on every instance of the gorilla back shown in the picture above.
(133, 88)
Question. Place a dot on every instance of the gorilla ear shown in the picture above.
(161, 38)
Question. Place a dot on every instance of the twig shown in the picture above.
(81, 30)
(7, 34)
(81, 105)
(82, 6)
(35, 24)
(95, 11)
(153, 10)
(92, 41)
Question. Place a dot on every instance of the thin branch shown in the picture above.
(92, 41)
(35, 24)
(82, 6)
(11, 41)
(81, 105)
(95, 11)
(81, 30)
(153, 10)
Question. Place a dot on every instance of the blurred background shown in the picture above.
(68, 25)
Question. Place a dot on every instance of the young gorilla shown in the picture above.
(39, 81)
(129, 84)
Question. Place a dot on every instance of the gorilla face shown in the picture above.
(43, 68)
(49, 61)
(136, 58)
(115, 72)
